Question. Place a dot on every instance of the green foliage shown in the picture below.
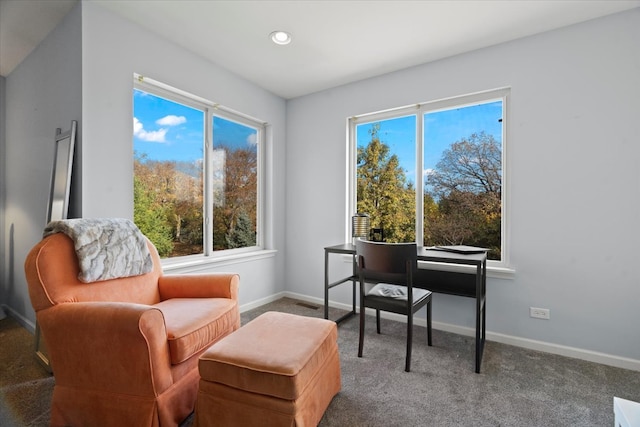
(243, 234)
(461, 206)
(151, 219)
(467, 185)
(173, 195)
(235, 213)
(168, 203)
(383, 191)
(220, 229)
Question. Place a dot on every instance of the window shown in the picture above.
(196, 173)
(433, 172)
(235, 184)
(386, 179)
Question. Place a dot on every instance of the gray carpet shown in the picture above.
(517, 387)
(25, 387)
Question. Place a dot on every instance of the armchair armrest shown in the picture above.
(211, 285)
(118, 347)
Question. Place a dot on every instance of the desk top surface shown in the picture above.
(424, 254)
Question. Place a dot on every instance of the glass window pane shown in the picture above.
(463, 177)
(386, 177)
(168, 141)
(235, 184)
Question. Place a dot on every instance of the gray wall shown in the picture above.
(3, 188)
(573, 181)
(84, 71)
(43, 93)
(113, 50)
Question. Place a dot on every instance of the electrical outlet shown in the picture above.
(539, 313)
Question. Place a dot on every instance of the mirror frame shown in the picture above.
(58, 205)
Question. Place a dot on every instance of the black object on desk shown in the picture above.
(446, 282)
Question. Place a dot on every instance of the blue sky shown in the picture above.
(442, 128)
(166, 130)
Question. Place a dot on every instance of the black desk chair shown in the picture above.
(386, 272)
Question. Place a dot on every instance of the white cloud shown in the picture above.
(171, 120)
(137, 126)
(428, 172)
(152, 136)
(251, 139)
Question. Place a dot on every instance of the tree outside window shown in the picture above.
(173, 166)
(459, 177)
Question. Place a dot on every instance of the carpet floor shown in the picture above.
(516, 387)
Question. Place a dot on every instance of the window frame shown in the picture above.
(210, 110)
(501, 268)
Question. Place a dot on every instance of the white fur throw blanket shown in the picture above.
(107, 248)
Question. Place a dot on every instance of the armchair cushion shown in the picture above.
(194, 323)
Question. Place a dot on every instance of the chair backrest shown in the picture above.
(51, 269)
(386, 262)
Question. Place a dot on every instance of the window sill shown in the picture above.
(195, 263)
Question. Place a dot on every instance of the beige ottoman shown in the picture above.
(278, 370)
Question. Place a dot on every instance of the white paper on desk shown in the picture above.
(461, 249)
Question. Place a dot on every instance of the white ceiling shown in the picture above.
(334, 42)
(24, 24)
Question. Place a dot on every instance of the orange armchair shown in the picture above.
(125, 351)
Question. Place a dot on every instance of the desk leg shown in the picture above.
(354, 285)
(481, 312)
(326, 284)
(484, 304)
(478, 318)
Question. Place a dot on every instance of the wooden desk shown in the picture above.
(446, 282)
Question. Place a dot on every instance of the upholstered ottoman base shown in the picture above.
(277, 370)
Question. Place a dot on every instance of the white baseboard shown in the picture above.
(562, 350)
(263, 301)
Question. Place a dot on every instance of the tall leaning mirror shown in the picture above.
(58, 206)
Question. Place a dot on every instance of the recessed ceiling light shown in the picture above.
(280, 37)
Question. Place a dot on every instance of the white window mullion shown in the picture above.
(260, 208)
(352, 181)
(208, 183)
(419, 179)
(504, 231)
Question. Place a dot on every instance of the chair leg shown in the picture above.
(378, 320)
(429, 322)
(361, 338)
(409, 342)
